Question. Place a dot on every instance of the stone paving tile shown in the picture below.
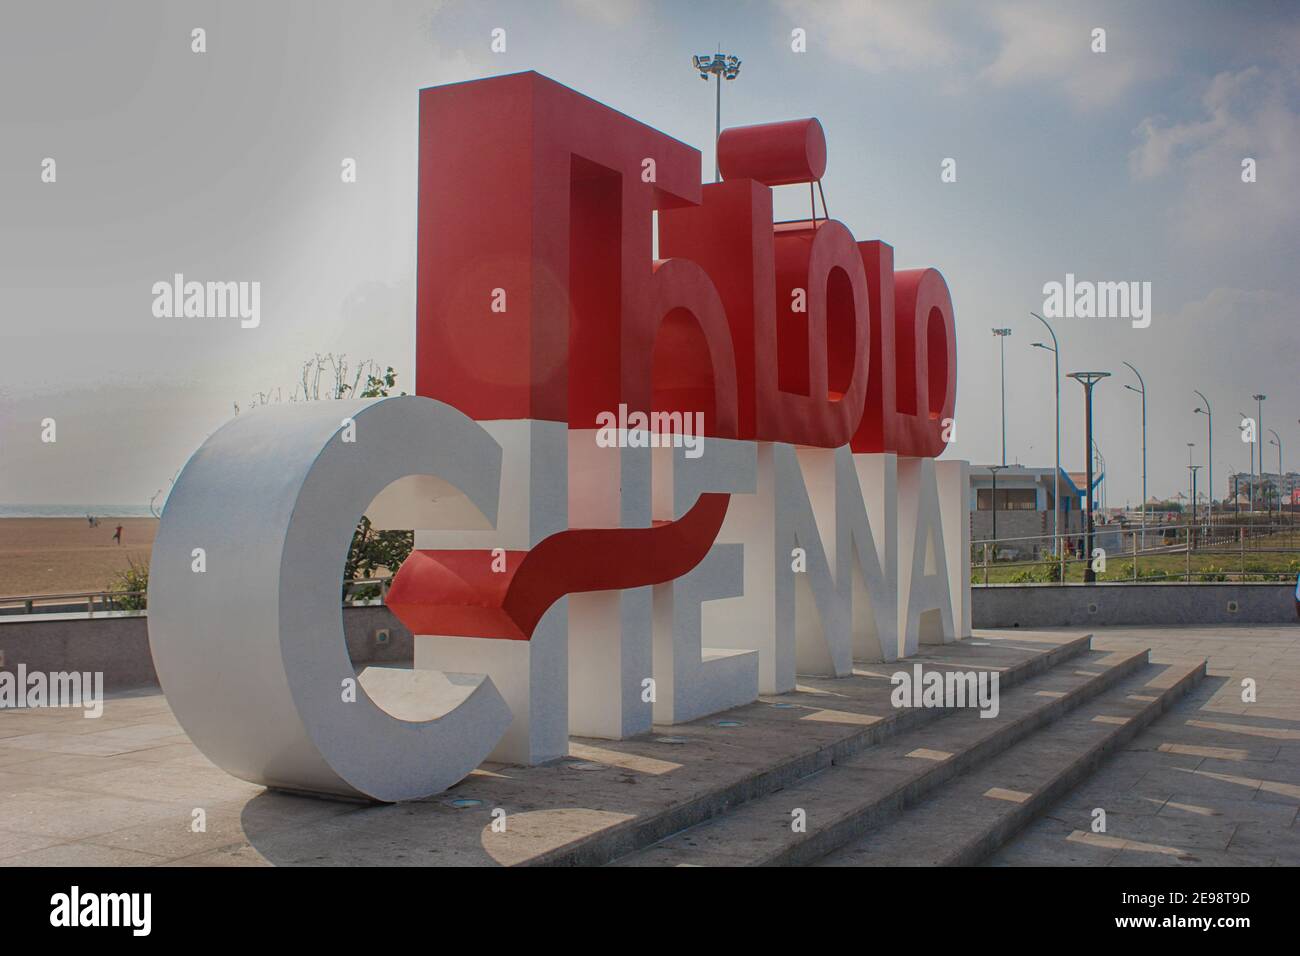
(71, 743)
(237, 854)
(46, 766)
(1192, 858)
(12, 756)
(73, 815)
(1226, 786)
(12, 782)
(13, 844)
(1147, 760)
(1084, 802)
(1266, 839)
(190, 786)
(1278, 816)
(1052, 849)
(1185, 833)
(82, 854)
(174, 836)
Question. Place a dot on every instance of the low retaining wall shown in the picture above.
(118, 644)
(1098, 605)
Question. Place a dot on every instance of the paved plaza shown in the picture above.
(1213, 781)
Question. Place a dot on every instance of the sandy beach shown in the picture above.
(62, 555)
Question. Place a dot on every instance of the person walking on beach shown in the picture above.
(117, 535)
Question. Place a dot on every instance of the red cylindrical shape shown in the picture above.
(775, 154)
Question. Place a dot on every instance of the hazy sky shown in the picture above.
(1123, 165)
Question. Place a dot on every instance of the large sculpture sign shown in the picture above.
(645, 487)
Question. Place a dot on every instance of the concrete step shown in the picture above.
(977, 812)
(860, 790)
(824, 721)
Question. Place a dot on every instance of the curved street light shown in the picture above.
(1259, 427)
(1142, 390)
(1277, 440)
(1241, 428)
(1055, 349)
(1208, 412)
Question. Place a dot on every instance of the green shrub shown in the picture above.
(374, 551)
(134, 578)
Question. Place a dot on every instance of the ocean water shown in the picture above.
(74, 511)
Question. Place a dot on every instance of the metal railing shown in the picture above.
(58, 603)
(379, 585)
(373, 591)
(1219, 550)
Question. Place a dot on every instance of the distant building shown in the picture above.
(1025, 506)
(1268, 487)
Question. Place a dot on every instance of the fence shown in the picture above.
(1202, 551)
(363, 592)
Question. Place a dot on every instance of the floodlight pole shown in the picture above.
(720, 66)
(717, 126)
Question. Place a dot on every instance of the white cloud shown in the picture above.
(1002, 44)
(880, 36)
(612, 12)
(1044, 44)
(1244, 114)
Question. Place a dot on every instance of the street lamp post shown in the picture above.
(1055, 349)
(1251, 485)
(1142, 390)
(1259, 431)
(1277, 440)
(1259, 428)
(1002, 341)
(1191, 528)
(1208, 412)
(723, 67)
(1192, 520)
(995, 469)
(1088, 380)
